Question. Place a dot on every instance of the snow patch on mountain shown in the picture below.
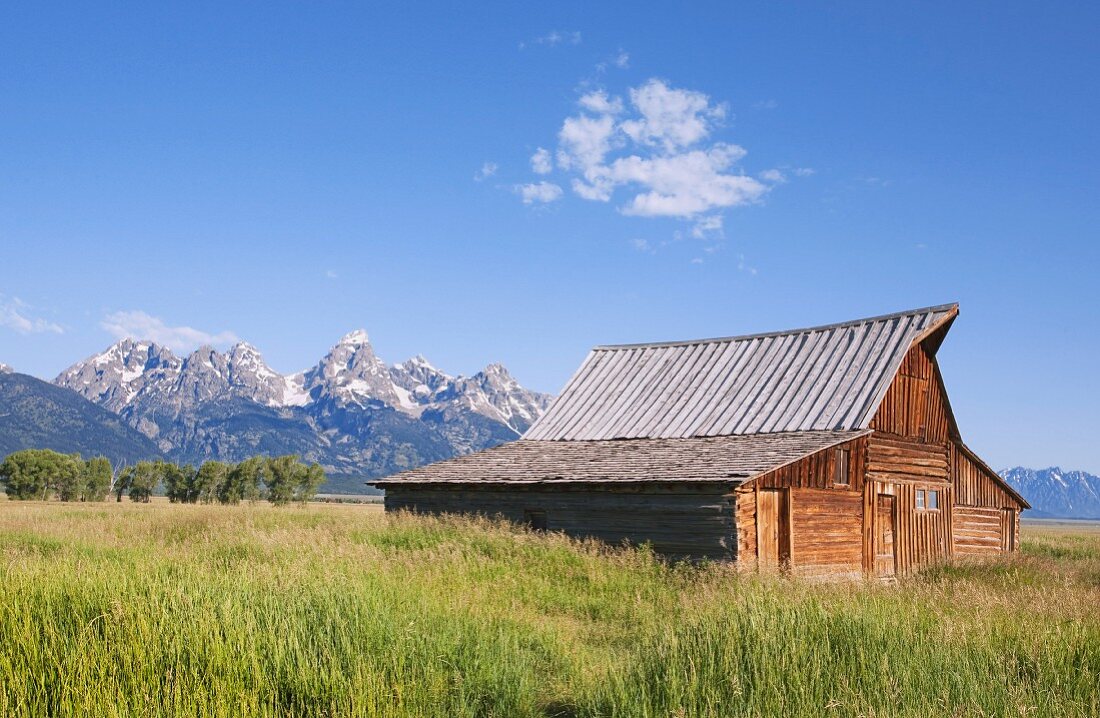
(5, 369)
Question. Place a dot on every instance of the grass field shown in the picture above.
(129, 610)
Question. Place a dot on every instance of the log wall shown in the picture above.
(825, 517)
(678, 519)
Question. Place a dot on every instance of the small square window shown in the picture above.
(840, 477)
(933, 499)
(920, 498)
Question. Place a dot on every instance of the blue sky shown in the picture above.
(287, 173)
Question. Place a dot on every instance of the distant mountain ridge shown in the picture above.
(38, 415)
(1055, 493)
(351, 412)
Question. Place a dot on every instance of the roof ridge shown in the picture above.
(763, 335)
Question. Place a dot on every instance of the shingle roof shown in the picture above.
(731, 459)
(829, 378)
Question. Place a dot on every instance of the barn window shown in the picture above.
(535, 520)
(928, 499)
(840, 477)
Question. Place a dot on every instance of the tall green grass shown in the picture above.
(341, 610)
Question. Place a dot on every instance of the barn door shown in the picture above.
(1008, 530)
(773, 528)
(885, 556)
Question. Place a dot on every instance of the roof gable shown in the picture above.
(829, 378)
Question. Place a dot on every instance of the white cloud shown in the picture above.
(137, 324)
(331, 274)
(599, 103)
(803, 171)
(583, 141)
(708, 227)
(541, 192)
(541, 163)
(642, 245)
(765, 105)
(659, 150)
(622, 60)
(774, 176)
(487, 170)
(15, 314)
(671, 119)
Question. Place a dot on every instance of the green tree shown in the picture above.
(281, 478)
(122, 481)
(242, 482)
(311, 478)
(68, 477)
(288, 479)
(178, 482)
(143, 480)
(35, 473)
(97, 479)
(209, 481)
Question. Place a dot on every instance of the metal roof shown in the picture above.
(728, 459)
(829, 378)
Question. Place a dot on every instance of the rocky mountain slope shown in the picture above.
(352, 412)
(1056, 493)
(37, 415)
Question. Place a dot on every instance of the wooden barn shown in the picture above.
(823, 451)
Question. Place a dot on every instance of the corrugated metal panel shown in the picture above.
(818, 379)
(729, 459)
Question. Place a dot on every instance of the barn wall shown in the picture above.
(921, 536)
(987, 516)
(694, 521)
(825, 519)
(826, 533)
(915, 405)
(974, 486)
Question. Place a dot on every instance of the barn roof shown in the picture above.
(728, 459)
(829, 378)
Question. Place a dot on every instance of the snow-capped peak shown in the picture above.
(141, 377)
(355, 338)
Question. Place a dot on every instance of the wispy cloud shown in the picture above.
(18, 316)
(331, 274)
(765, 104)
(555, 38)
(486, 171)
(538, 192)
(136, 324)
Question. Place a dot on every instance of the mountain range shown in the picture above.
(1055, 493)
(351, 412)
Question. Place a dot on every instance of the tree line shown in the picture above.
(41, 474)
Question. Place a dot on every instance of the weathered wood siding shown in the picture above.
(974, 486)
(921, 536)
(826, 528)
(825, 520)
(915, 405)
(679, 520)
(908, 453)
(986, 515)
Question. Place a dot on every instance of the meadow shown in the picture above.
(337, 610)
